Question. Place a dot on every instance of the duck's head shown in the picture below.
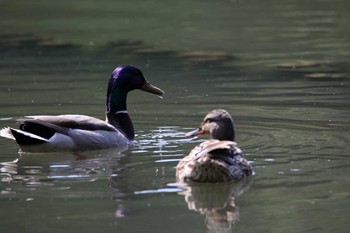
(218, 123)
(124, 79)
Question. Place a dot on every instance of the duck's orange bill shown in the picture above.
(195, 132)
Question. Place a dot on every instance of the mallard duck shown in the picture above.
(217, 159)
(46, 133)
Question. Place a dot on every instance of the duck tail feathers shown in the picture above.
(6, 133)
(23, 137)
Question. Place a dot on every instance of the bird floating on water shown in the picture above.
(217, 159)
(47, 133)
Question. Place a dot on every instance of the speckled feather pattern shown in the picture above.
(221, 161)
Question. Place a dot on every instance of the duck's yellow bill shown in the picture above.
(147, 87)
(195, 132)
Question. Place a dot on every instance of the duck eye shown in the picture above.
(209, 120)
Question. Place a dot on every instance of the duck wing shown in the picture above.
(41, 128)
(69, 121)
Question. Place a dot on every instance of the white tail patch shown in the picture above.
(6, 133)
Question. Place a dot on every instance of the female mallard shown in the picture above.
(217, 159)
(46, 133)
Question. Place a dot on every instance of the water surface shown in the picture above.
(280, 68)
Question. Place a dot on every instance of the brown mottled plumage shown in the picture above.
(217, 159)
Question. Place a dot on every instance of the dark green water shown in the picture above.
(281, 68)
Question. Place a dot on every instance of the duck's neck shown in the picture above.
(116, 101)
(225, 132)
(117, 114)
(121, 121)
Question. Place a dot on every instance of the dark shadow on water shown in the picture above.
(139, 49)
(12, 41)
(49, 55)
(95, 59)
(316, 70)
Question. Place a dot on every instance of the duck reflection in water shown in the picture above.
(40, 171)
(218, 202)
(52, 174)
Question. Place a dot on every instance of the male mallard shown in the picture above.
(217, 159)
(44, 133)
